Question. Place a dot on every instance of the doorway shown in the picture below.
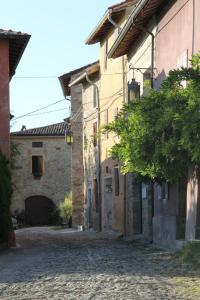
(108, 209)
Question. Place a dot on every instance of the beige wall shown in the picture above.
(54, 183)
(112, 97)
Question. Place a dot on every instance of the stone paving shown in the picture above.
(66, 264)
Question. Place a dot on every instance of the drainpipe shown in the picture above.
(98, 146)
(113, 22)
(152, 49)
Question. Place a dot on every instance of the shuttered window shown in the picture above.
(37, 166)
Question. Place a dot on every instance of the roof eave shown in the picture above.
(133, 15)
(90, 71)
(91, 38)
(20, 55)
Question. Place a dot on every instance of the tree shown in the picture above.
(159, 136)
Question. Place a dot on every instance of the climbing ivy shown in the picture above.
(5, 200)
(160, 134)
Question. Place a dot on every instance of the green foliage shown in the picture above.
(5, 200)
(190, 254)
(65, 208)
(14, 153)
(160, 134)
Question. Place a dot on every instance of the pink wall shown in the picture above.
(4, 98)
(174, 37)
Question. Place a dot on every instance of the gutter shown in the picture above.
(94, 32)
(127, 26)
(77, 80)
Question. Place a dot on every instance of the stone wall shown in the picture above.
(90, 156)
(55, 181)
(77, 172)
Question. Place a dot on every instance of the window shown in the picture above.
(115, 113)
(95, 134)
(116, 178)
(37, 166)
(133, 91)
(37, 144)
(94, 96)
(163, 191)
(96, 198)
(146, 83)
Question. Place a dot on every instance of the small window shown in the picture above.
(37, 144)
(115, 113)
(146, 83)
(163, 191)
(94, 96)
(37, 166)
(116, 178)
(95, 134)
(133, 91)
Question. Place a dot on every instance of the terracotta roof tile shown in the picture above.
(18, 42)
(58, 129)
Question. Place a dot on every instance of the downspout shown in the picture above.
(152, 49)
(99, 148)
(113, 22)
(124, 100)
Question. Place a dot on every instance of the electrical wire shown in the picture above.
(30, 113)
(46, 112)
(56, 77)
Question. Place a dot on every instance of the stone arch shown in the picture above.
(40, 210)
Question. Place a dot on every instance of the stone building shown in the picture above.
(42, 174)
(77, 169)
(91, 145)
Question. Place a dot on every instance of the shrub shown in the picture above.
(65, 208)
(190, 254)
(5, 200)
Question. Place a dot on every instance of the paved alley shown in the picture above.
(65, 264)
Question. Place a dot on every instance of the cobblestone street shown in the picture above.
(62, 264)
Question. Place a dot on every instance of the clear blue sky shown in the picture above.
(58, 30)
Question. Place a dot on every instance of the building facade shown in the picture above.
(91, 145)
(143, 39)
(42, 173)
(12, 46)
(112, 95)
(77, 166)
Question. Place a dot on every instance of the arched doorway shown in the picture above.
(40, 210)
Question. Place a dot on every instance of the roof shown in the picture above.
(90, 71)
(58, 129)
(18, 42)
(104, 25)
(66, 78)
(140, 16)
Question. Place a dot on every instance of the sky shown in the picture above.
(58, 29)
